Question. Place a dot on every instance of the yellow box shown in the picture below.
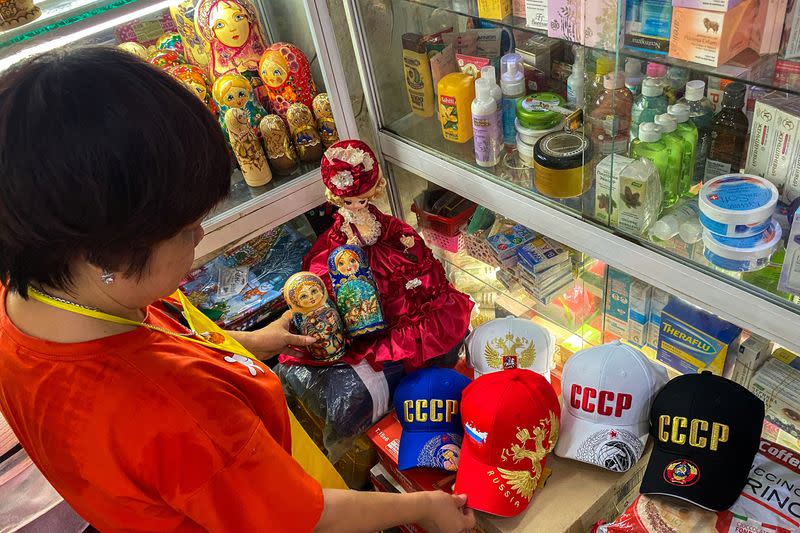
(494, 9)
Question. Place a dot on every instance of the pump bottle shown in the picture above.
(512, 85)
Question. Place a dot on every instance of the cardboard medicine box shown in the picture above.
(627, 307)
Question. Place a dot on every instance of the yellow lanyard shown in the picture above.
(99, 315)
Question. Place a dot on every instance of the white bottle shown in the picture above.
(683, 219)
(633, 75)
(486, 134)
(576, 82)
(512, 85)
(497, 93)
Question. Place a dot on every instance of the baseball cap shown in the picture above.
(505, 343)
(607, 393)
(511, 422)
(706, 430)
(428, 404)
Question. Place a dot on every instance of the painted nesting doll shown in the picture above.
(303, 130)
(195, 47)
(172, 41)
(324, 115)
(356, 293)
(134, 48)
(247, 148)
(235, 40)
(315, 315)
(15, 13)
(287, 76)
(280, 150)
(233, 90)
(194, 79)
(165, 59)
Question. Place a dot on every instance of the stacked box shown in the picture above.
(778, 385)
(627, 307)
(545, 269)
(658, 300)
(750, 356)
(505, 242)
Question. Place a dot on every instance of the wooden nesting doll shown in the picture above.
(194, 79)
(287, 76)
(280, 150)
(165, 59)
(315, 315)
(235, 40)
(195, 47)
(324, 115)
(247, 148)
(304, 134)
(233, 90)
(15, 13)
(356, 293)
(172, 41)
(134, 48)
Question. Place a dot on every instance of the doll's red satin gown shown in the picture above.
(424, 321)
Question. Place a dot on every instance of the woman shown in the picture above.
(139, 423)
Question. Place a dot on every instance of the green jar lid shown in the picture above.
(532, 114)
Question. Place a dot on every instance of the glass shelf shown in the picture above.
(764, 75)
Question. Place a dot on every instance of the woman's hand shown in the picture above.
(446, 513)
(273, 339)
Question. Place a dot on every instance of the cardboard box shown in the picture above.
(536, 14)
(600, 23)
(383, 481)
(790, 39)
(751, 354)
(566, 20)
(765, 38)
(709, 5)
(778, 385)
(494, 9)
(627, 307)
(658, 300)
(649, 29)
(710, 37)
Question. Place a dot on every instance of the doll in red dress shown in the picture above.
(426, 316)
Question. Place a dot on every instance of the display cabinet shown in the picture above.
(580, 187)
(52, 25)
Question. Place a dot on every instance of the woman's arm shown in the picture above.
(273, 339)
(349, 511)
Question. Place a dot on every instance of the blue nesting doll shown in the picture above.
(356, 293)
(315, 315)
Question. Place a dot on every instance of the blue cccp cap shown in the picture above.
(428, 405)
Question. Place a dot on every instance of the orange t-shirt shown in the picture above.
(143, 431)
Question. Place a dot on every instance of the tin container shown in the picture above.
(559, 161)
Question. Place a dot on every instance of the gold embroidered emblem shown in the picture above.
(523, 482)
(509, 352)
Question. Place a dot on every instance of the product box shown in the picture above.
(765, 38)
(772, 151)
(709, 5)
(541, 253)
(627, 307)
(566, 20)
(751, 353)
(778, 385)
(545, 277)
(494, 9)
(790, 40)
(692, 340)
(505, 243)
(383, 481)
(623, 199)
(536, 14)
(658, 300)
(600, 23)
(710, 37)
(790, 272)
(648, 27)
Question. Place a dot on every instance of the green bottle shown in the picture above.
(650, 146)
(674, 144)
(687, 131)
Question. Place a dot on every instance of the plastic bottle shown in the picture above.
(419, 84)
(650, 146)
(659, 72)
(677, 78)
(488, 73)
(603, 66)
(484, 124)
(576, 81)
(701, 112)
(728, 134)
(512, 85)
(687, 131)
(674, 144)
(610, 116)
(456, 92)
(681, 220)
(647, 105)
(633, 75)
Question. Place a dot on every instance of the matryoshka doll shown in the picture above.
(195, 48)
(280, 150)
(234, 38)
(14, 13)
(165, 59)
(134, 48)
(171, 41)
(287, 76)
(196, 81)
(233, 90)
(355, 290)
(247, 148)
(303, 130)
(315, 315)
(324, 115)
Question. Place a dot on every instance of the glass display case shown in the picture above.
(156, 26)
(573, 84)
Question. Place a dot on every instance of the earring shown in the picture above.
(107, 277)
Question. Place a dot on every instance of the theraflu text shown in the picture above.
(689, 339)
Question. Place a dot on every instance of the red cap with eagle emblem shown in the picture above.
(349, 168)
(511, 422)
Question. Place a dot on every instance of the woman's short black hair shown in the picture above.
(102, 156)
